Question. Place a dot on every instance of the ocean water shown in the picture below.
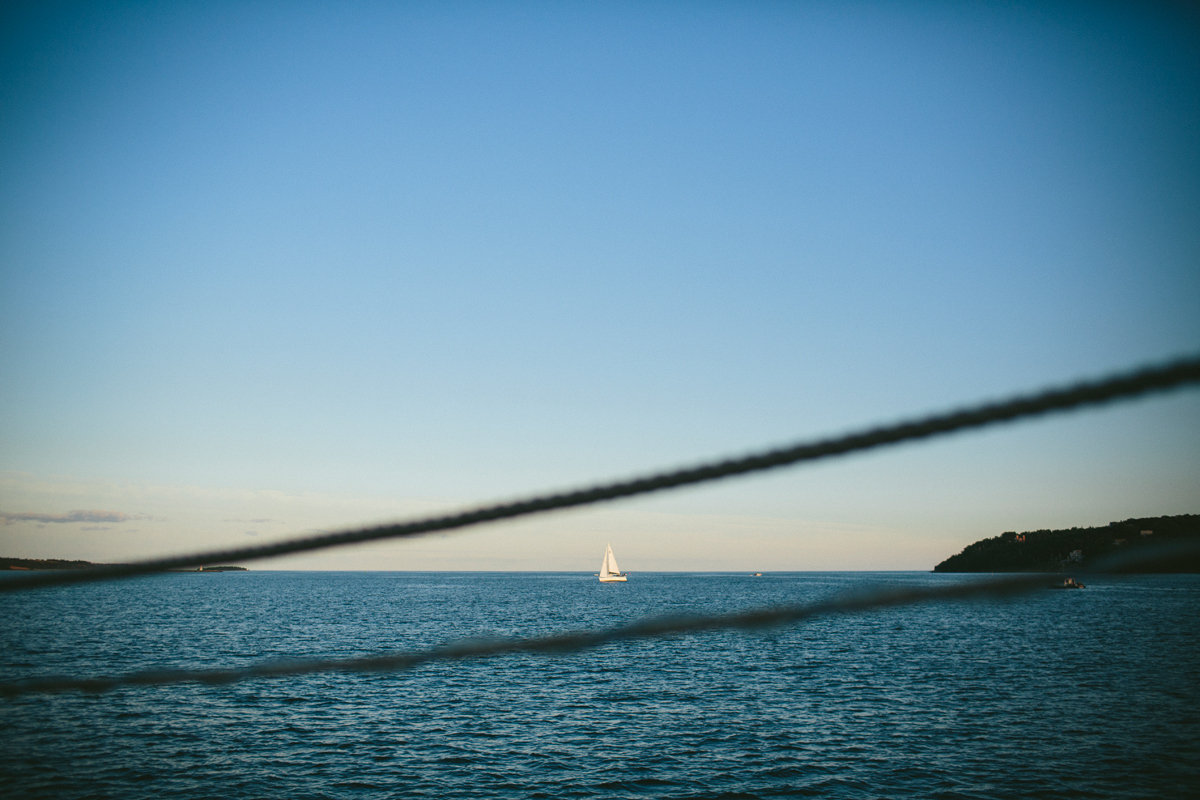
(1092, 693)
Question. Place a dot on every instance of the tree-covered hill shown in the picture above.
(58, 563)
(42, 563)
(1077, 548)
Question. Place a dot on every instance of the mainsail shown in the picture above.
(611, 561)
(609, 571)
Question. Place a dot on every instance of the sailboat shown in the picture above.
(609, 572)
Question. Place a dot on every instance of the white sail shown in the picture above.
(612, 561)
(609, 571)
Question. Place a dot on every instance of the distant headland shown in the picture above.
(1081, 548)
(58, 563)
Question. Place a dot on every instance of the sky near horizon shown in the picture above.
(272, 268)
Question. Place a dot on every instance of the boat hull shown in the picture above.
(609, 571)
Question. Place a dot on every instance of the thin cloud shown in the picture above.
(70, 516)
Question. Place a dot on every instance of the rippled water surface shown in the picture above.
(1092, 693)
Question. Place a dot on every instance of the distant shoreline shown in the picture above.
(37, 564)
(1078, 549)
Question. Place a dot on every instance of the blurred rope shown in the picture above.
(556, 644)
(1147, 558)
(1119, 386)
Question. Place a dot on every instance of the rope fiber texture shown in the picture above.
(1118, 386)
(556, 644)
(872, 599)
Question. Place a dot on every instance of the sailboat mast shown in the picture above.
(609, 571)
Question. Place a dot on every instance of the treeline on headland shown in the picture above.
(58, 563)
(43, 563)
(1081, 548)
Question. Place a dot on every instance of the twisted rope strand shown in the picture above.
(656, 627)
(871, 599)
(1119, 386)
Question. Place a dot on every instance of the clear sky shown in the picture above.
(267, 268)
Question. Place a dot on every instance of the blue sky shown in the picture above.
(325, 264)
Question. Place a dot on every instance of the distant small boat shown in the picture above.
(1069, 583)
(609, 571)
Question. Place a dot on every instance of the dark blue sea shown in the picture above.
(1072, 694)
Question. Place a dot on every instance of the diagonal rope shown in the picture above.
(657, 627)
(1119, 386)
(1152, 558)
